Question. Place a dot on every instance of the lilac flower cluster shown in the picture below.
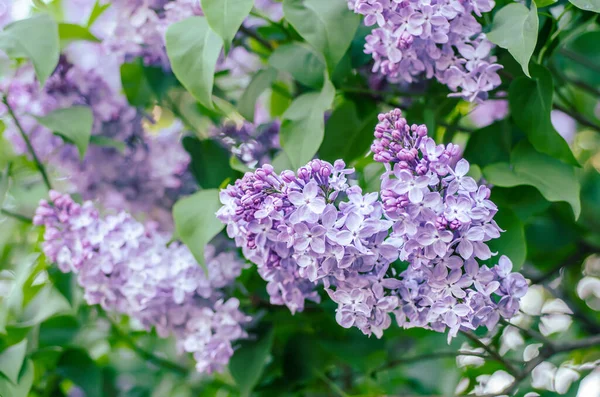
(136, 28)
(309, 228)
(253, 145)
(132, 270)
(435, 38)
(442, 221)
(138, 179)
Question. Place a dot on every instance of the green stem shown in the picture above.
(255, 36)
(494, 354)
(36, 159)
(146, 355)
(18, 217)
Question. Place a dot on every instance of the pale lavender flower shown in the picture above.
(418, 39)
(132, 270)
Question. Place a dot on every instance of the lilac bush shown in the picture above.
(131, 269)
(138, 180)
(312, 228)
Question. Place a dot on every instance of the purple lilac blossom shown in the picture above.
(442, 221)
(136, 178)
(311, 228)
(488, 112)
(564, 124)
(132, 270)
(434, 38)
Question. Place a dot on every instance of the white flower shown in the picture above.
(588, 289)
(556, 317)
(590, 385)
(543, 376)
(495, 383)
(533, 300)
(511, 339)
(467, 360)
(565, 376)
(532, 351)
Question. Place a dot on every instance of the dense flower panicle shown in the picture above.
(443, 220)
(128, 268)
(434, 38)
(289, 226)
(253, 145)
(314, 228)
(133, 178)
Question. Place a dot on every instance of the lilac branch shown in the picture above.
(36, 159)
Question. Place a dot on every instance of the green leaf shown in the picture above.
(260, 82)
(579, 58)
(74, 123)
(99, 140)
(11, 360)
(516, 29)
(530, 102)
(512, 241)
(489, 145)
(193, 49)
(134, 82)
(226, 16)
(35, 38)
(555, 180)
(210, 162)
(299, 60)
(544, 3)
(69, 32)
(248, 362)
(196, 221)
(96, 12)
(329, 26)
(347, 135)
(4, 184)
(47, 303)
(77, 366)
(22, 388)
(587, 5)
(303, 125)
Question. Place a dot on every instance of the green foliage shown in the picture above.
(22, 387)
(36, 39)
(260, 82)
(348, 131)
(210, 162)
(226, 16)
(73, 124)
(326, 25)
(193, 49)
(196, 222)
(587, 5)
(77, 366)
(555, 180)
(303, 125)
(516, 28)
(512, 242)
(4, 184)
(69, 32)
(530, 105)
(11, 360)
(248, 362)
(301, 62)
